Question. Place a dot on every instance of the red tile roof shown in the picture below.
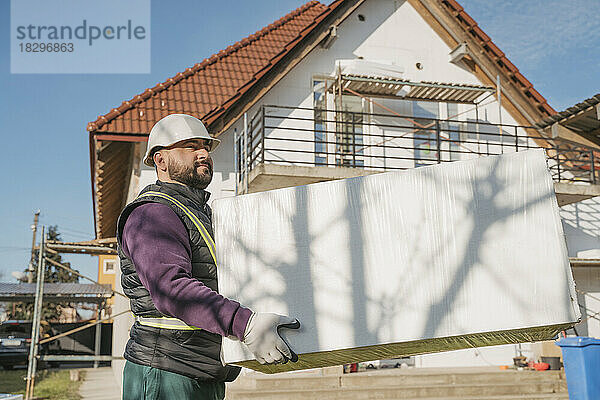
(209, 86)
(498, 56)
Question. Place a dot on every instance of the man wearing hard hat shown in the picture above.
(169, 273)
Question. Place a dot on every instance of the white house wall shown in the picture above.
(588, 297)
(392, 32)
(581, 224)
(121, 328)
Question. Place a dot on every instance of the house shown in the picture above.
(107, 268)
(351, 88)
(108, 265)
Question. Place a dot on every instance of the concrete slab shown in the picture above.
(584, 262)
(272, 176)
(413, 383)
(568, 193)
(99, 384)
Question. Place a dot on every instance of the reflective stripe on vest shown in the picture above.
(170, 322)
(166, 323)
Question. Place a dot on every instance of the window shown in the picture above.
(320, 117)
(453, 133)
(349, 148)
(109, 266)
(425, 138)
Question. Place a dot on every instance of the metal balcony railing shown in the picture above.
(327, 138)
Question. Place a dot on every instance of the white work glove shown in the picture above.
(264, 341)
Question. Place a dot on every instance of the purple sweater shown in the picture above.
(158, 244)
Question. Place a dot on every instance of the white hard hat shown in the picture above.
(173, 129)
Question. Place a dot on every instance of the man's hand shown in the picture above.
(263, 339)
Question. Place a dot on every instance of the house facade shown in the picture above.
(353, 88)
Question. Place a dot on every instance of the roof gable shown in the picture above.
(208, 88)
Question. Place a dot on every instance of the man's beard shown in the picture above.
(188, 175)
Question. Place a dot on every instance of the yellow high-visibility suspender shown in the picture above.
(201, 228)
(170, 322)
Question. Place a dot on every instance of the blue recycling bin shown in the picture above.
(581, 357)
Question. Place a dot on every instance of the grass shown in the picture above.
(49, 384)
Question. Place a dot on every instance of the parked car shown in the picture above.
(15, 340)
(397, 362)
(388, 363)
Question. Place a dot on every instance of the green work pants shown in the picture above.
(147, 383)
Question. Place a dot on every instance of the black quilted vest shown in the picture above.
(193, 353)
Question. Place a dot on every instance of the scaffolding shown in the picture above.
(41, 292)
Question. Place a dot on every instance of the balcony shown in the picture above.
(284, 146)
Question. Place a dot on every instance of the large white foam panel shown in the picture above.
(437, 258)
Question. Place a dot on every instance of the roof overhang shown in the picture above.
(56, 292)
(407, 90)
(579, 123)
(111, 157)
(92, 247)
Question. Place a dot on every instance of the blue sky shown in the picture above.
(45, 159)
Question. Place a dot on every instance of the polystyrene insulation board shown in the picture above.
(436, 258)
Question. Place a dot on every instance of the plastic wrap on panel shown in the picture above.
(444, 257)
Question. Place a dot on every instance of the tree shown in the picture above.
(52, 274)
(56, 274)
